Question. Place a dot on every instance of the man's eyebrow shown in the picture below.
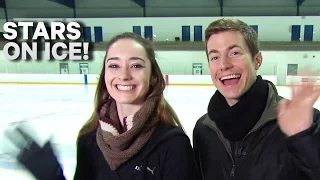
(230, 47)
(234, 46)
(213, 51)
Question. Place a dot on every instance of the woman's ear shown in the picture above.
(153, 81)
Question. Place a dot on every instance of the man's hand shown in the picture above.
(296, 115)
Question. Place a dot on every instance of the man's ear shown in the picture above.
(258, 60)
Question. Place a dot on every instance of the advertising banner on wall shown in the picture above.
(299, 80)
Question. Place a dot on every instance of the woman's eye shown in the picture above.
(113, 66)
(137, 66)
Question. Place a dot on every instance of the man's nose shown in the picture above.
(225, 63)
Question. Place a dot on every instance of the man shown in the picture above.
(249, 132)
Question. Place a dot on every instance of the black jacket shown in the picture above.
(168, 155)
(264, 154)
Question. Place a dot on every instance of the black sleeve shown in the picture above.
(305, 148)
(179, 162)
(84, 168)
(195, 147)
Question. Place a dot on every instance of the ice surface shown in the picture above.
(58, 112)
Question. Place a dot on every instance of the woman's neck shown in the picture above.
(125, 110)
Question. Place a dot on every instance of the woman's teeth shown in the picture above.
(124, 88)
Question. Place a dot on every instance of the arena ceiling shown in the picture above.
(163, 8)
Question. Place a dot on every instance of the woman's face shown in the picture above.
(127, 72)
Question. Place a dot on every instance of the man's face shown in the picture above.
(232, 69)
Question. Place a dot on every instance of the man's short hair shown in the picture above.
(224, 24)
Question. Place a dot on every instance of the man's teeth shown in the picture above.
(124, 88)
(230, 77)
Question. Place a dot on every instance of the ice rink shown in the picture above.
(59, 111)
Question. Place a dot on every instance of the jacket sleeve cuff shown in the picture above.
(305, 148)
(302, 134)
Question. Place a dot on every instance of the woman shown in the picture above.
(133, 132)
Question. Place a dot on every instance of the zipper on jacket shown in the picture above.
(229, 151)
(233, 170)
(236, 155)
(232, 173)
(239, 151)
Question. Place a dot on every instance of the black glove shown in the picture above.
(40, 161)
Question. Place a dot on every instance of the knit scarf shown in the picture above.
(236, 121)
(118, 144)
